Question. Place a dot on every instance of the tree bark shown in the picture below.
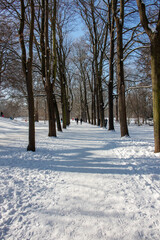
(120, 72)
(57, 114)
(36, 111)
(94, 98)
(86, 109)
(155, 69)
(121, 83)
(99, 93)
(31, 145)
(27, 69)
(112, 8)
(54, 71)
(63, 103)
(63, 79)
(48, 84)
(68, 112)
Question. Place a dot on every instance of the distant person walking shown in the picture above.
(81, 120)
(77, 120)
(2, 114)
(105, 123)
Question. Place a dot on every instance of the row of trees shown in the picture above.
(104, 65)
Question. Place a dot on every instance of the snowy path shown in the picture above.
(86, 184)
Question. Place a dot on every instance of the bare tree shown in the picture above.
(82, 63)
(111, 22)
(63, 50)
(120, 69)
(27, 69)
(98, 33)
(45, 67)
(54, 56)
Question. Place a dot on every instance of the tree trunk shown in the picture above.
(36, 111)
(121, 84)
(101, 103)
(54, 74)
(155, 69)
(63, 102)
(48, 84)
(31, 145)
(117, 117)
(88, 115)
(110, 102)
(97, 106)
(51, 112)
(120, 70)
(68, 112)
(64, 113)
(111, 66)
(82, 114)
(85, 99)
(27, 69)
(57, 114)
(94, 96)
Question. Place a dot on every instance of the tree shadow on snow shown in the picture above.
(80, 160)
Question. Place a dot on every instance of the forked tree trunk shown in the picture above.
(27, 69)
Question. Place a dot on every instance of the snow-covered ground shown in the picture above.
(86, 184)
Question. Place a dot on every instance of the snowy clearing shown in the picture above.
(86, 184)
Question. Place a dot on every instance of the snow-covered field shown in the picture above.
(86, 184)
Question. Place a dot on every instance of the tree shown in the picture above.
(98, 33)
(83, 67)
(120, 69)
(45, 67)
(63, 50)
(27, 69)
(111, 22)
(62, 55)
(54, 55)
(154, 36)
(139, 103)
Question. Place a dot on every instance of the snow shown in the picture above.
(86, 184)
